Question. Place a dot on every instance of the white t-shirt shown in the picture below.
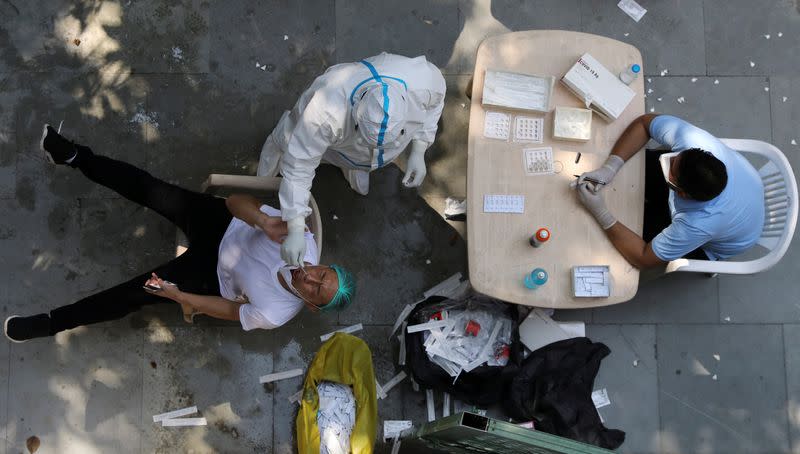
(247, 268)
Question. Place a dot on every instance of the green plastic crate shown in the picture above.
(470, 433)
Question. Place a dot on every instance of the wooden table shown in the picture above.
(499, 253)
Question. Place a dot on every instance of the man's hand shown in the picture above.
(166, 289)
(275, 227)
(293, 248)
(596, 205)
(602, 176)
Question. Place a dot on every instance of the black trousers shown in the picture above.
(656, 202)
(202, 217)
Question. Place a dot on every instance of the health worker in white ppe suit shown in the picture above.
(358, 116)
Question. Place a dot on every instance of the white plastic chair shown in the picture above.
(780, 214)
(221, 184)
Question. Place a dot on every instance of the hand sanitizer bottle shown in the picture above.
(630, 74)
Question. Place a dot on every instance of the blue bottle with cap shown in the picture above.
(630, 74)
(535, 279)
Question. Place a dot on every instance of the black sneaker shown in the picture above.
(19, 329)
(57, 149)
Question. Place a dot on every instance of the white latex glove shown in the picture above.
(595, 204)
(603, 175)
(415, 167)
(293, 248)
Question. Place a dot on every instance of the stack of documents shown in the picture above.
(517, 91)
(591, 281)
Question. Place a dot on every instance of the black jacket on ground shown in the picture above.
(554, 388)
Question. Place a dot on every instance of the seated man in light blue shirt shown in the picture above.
(703, 200)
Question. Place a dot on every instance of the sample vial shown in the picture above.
(535, 279)
(630, 74)
(540, 237)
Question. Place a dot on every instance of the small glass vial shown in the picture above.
(630, 74)
(540, 237)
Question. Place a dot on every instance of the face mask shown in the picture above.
(286, 273)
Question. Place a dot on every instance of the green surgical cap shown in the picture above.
(346, 292)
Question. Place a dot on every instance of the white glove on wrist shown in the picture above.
(415, 168)
(293, 248)
(596, 205)
(604, 174)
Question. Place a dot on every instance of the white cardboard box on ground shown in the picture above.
(538, 330)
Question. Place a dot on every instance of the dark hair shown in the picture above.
(701, 175)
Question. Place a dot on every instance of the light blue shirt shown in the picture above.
(724, 226)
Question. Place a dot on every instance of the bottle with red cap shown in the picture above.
(540, 237)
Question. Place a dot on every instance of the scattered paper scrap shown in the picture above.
(428, 261)
(716, 81)
(258, 65)
(626, 34)
(379, 391)
(428, 326)
(394, 428)
(177, 53)
(295, 398)
(446, 405)
(600, 398)
(664, 72)
(766, 36)
(264, 67)
(652, 109)
(285, 37)
(335, 218)
(681, 100)
(794, 142)
(766, 88)
(784, 99)
(716, 357)
(780, 34)
(396, 446)
(430, 404)
(184, 422)
(649, 90)
(280, 375)
(401, 318)
(694, 79)
(649, 80)
(727, 319)
(463, 105)
(175, 413)
(392, 383)
(635, 363)
(659, 99)
(444, 288)
(714, 377)
(348, 330)
(752, 64)
(632, 9)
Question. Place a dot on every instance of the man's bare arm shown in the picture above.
(248, 209)
(635, 136)
(632, 247)
(214, 306)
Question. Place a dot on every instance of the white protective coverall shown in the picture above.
(321, 126)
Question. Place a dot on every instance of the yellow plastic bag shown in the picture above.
(347, 360)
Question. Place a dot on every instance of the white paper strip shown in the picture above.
(175, 414)
(394, 428)
(600, 398)
(183, 422)
(379, 390)
(280, 375)
(430, 403)
(445, 287)
(428, 326)
(446, 405)
(295, 398)
(348, 330)
(487, 348)
(402, 317)
(396, 445)
(401, 360)
(392, 383)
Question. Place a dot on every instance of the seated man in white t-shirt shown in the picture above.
(232, 269)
